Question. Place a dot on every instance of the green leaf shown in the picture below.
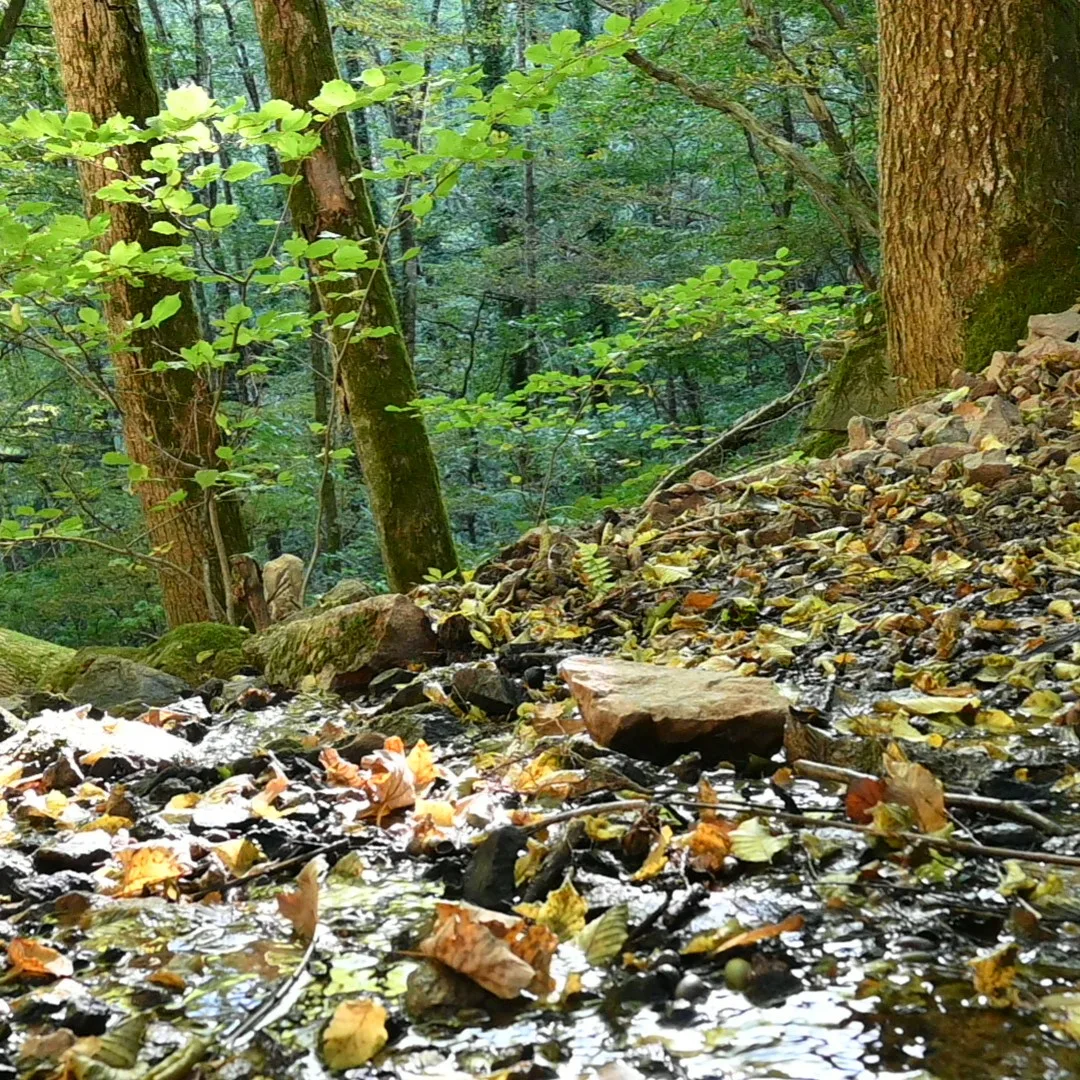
(207, 478)
(166, 307)
(188, 102)
(602, 940)
(223, 215)
(115, 457)
(616, 24)
(334, 95)
(164, 228)
(373, 77)
(241, 170)
(752, 842)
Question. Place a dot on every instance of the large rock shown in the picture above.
(657, 713)
(196, 652)
(121, 686)
(343, 648)
(283, 583)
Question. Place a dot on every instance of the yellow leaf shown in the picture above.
(528, 864)
(993, 977)
(710, 845)
(599, 829)
(422, 762)
(657, 858)
(752, 842)
(718, 941)
(563, 912)
(239, 855)
(355, 1034)
(602, 940)
(439, 811)
(150, 866)
(262, 805)
(916, 787)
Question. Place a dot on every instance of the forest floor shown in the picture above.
(484, 891)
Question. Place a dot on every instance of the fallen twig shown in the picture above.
(1001, 808)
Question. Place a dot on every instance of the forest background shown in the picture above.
(666, 217)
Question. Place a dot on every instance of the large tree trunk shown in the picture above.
(168, 417)
(393, 447)
(980, 179)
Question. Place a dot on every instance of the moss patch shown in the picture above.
(860, 383)
(196, 652)
(999, 315)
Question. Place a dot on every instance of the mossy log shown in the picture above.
(24, 660)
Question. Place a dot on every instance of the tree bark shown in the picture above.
(168, 417)
(980, 180)
(393, 447)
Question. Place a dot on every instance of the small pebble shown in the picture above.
(691, 988)
(737, 973)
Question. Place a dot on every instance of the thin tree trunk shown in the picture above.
(322, 374)
(527, 360)
(393, 447)
(168, 421)
(165, 40)
(247, 74)
(980, 179)
(9, 24)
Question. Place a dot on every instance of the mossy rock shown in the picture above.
(196, 652)
(61, 678)
(346, 591)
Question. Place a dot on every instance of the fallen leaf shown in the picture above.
(262, 804)
(657, 858)
(916, 787)
(355, 1034)
(499, 952)
(148, 866)
(602, 940)
(563, 912)
(422, 763)
(752, 842)
(239, 855)
(170, 980)
(993, 977)
(301, 907)
(710, 845)
(718, 941)
(863, 794)
(31, 958)
(439, 811)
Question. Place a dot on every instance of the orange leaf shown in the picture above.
(916, 787)
(262, 804)
(339, 772)
(301, 907)
(700, 601)
(31, 958)
(499, 952)
(862, 796)
(710, 845)
(714, 942)
(149, 866)
(422, 762)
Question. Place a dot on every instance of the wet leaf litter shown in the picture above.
(776, 778)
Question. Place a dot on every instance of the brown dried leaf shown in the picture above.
(355, 1034)
(916, 787)
(30, 958)
(301, 907)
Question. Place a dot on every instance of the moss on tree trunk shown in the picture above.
(25, 660)
(980, 179)
(393, 447)
(168, 417)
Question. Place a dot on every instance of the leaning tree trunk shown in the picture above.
(168, 417)
(980, 178)
(24, 660)
(393, 447)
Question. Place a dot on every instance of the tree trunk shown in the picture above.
(24, 660)
(322, 367)
(980, 179)
(9, 24)
(168, 417)
(393, 447)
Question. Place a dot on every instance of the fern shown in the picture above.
(593, 570)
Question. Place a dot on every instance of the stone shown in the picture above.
(489, 690)
(283, 582)
(1045, 348)
(346, 591)
(79, 851)
(996, 417)
(930, 457)
(857, 460)
(703, 481)
(1061, 325)
(658, 713)
(489, 877)
(120, 686)
(998, 369)
(345, 647)
(860, 432)
(945, 429)
(988, 468)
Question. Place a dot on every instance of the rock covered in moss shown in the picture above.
(346, 591)
(125, 687)
(196, 652)
(62, 676)
(343, 648)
